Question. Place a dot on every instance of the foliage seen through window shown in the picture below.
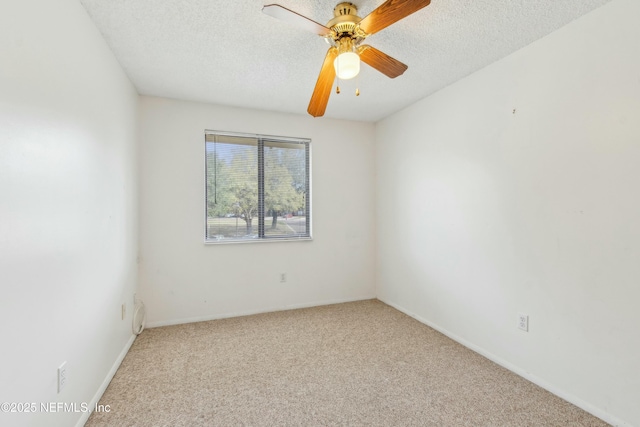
(257, 187)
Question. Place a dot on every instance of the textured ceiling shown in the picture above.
(230, 53)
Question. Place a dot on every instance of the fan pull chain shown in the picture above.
(357, 84)
(338, 77)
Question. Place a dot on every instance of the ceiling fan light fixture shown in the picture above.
(345, 33)
(347, 65)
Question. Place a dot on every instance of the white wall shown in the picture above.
(68, 215)
(516, 190)
(182, 279)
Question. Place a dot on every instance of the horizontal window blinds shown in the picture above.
(256, 187)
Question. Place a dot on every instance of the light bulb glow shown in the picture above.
(347, 65)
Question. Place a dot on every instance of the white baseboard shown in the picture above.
(159, 323)
(597, 412)
(96, 398)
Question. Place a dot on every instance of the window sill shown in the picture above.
(244, 241)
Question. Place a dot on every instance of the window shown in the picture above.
(257, 187)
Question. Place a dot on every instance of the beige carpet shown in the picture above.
(361, 363)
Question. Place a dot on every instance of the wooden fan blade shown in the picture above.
(322, 91)
(389, 12)
(293, 18)
(382, 62)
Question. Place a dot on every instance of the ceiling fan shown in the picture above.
(345, 33)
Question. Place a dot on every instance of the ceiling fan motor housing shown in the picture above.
(345, 21)
(345, 8)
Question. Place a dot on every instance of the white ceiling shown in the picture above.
(230, 53)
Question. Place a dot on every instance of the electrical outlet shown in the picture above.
(62, 376)
(523, 322)
(124, 310)
(283, 277)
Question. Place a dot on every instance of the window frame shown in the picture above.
(261, 138)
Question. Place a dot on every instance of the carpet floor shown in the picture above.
(355, 364)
